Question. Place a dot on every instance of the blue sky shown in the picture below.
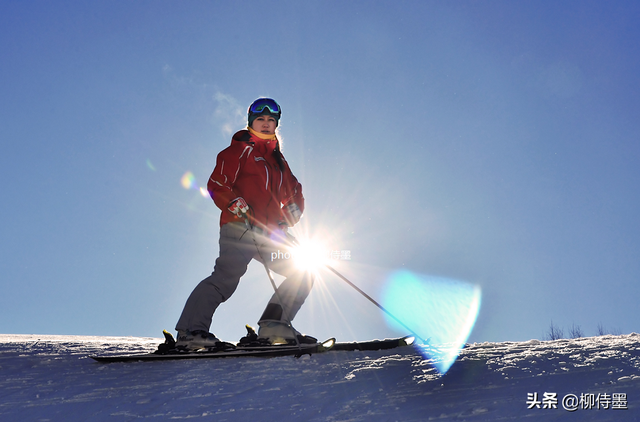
(493, 142)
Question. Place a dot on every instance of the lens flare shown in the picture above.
(188, 180)
(441, 310)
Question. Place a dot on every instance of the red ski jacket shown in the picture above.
(248, 168)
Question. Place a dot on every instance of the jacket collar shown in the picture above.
(256, 139)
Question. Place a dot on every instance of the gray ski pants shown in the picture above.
(237, 249)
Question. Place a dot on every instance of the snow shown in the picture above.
(51, 378)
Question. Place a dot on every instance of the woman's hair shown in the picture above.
(278, 156)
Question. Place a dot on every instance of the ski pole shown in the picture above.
(372, 300)
(295, 242)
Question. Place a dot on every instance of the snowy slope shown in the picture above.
(50, 378)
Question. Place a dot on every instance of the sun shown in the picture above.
(310, 255)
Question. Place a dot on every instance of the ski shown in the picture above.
(167, 350)
(273, 351)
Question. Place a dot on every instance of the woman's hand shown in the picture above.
(292, 214)
(238, 206)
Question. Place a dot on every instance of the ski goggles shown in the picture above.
(259, 106)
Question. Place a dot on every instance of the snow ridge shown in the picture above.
(50, 378)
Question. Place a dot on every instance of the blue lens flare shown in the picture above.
(441, 310)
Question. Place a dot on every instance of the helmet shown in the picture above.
(263, 106)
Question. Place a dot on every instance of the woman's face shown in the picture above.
(265, 124)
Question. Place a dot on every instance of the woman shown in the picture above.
(260, 198)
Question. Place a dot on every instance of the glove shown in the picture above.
(291, 214)
(238, 206)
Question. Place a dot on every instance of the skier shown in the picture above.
(260, 198)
